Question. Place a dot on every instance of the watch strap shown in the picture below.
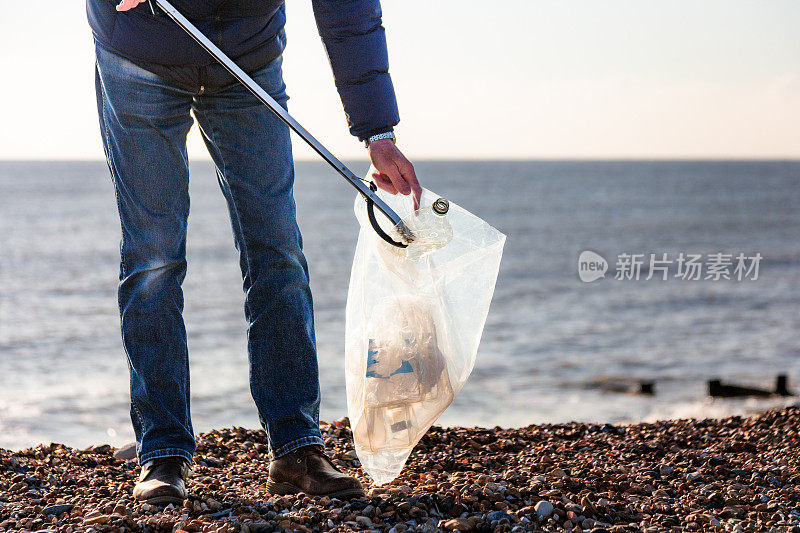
(379, 136)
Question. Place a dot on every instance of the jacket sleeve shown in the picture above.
(355, 42)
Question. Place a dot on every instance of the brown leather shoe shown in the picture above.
(309, 470)
(162, 481)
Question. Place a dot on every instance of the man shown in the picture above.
(149, 76)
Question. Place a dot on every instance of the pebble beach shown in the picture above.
(734, 474)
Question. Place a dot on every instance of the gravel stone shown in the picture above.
(735, 474)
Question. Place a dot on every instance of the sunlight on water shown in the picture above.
(552, 344)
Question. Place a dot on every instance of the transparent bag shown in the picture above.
(414, 321)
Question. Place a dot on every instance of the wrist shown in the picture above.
(380, 145)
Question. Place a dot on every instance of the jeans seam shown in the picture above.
(114, 176)
(116, 190)
(297, 443)
(239, 227)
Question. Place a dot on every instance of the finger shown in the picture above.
(397, 179)
(383, 182)
(128, 4)
(407, 170)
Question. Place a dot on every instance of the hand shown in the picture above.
(393, 172)
(128, 4)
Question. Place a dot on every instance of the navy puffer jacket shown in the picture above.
(251, 32)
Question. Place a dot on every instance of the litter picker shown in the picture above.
(367, 191)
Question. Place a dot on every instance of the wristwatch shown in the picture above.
(379, 136)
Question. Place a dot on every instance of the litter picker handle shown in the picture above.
(276, 108)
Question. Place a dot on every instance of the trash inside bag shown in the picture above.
(415, 316)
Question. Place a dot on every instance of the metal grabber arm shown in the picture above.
(373, 200)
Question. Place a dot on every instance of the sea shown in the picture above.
(559, 345)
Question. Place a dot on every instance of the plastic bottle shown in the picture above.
(431, 229)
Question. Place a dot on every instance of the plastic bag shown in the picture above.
(415, 317)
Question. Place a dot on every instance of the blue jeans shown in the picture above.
(144, 120)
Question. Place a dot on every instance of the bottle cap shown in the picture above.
(441, 206)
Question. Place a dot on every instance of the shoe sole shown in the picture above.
(163, 500)
(282, 489)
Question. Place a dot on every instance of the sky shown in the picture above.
(513, 79)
